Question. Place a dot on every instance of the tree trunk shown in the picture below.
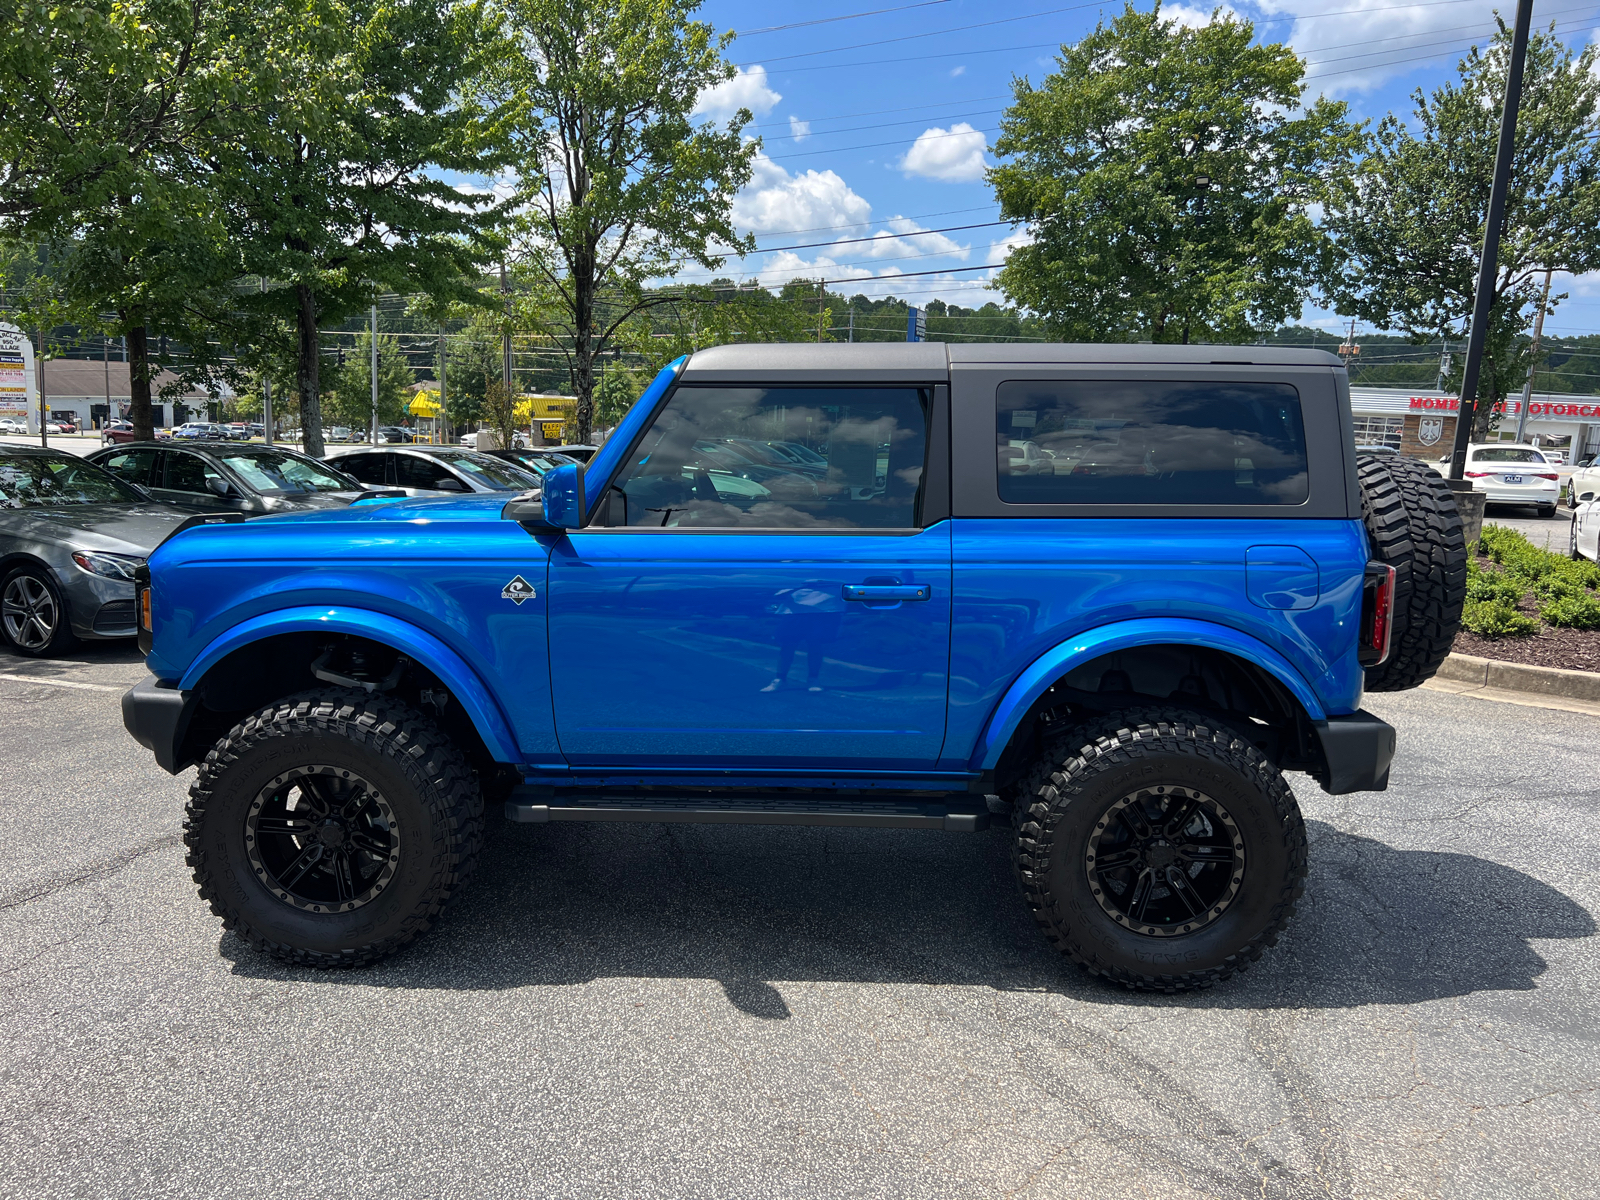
(583, 348)
(139, 370)
(308, 372)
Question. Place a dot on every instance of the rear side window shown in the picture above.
(367, 468)
(1149, 442)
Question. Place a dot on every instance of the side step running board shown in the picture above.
(962, 814)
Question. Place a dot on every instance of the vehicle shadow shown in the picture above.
(558, 905)
(121, 652)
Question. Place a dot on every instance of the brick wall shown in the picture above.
(1411, 445)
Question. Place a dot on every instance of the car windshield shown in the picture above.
(47, 481)
(279, 472)
(1507, 454)
(493, 473)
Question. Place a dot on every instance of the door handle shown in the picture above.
(886, 591)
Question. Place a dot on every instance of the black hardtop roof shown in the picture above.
(888, 362)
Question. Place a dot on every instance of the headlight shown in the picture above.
(107, 566)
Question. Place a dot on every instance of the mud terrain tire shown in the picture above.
(1079, 797)
(372, 822)
(1413, 525)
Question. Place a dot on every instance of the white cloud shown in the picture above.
(1369, 42)
(885, 245)
(998, 250)
(954, 155)
(961, 70)
(775, 199)
(1191, 17)
(799, 130)
(747, 89)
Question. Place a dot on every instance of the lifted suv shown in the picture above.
(1103, 596)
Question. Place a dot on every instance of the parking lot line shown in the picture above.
(64, 683)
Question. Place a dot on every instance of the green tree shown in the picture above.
(614, 396)
(335, 190)
(617, 184)
(1410, 223)
(1166, 174)
(349, 400)
(472, 362)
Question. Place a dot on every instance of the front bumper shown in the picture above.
(1358, 749)
(157, 714)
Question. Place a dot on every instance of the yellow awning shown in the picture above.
(426, 404)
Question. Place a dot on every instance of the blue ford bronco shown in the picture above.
(1101, 597)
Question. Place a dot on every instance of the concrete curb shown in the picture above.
(1546, 682)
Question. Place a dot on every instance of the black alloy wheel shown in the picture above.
(1165, 861)
(33, 615)
(322, 838)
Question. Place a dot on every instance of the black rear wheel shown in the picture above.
(1158, 850)
(331, 828)
(1414, 526)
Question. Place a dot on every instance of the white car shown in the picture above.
(1586, 526)
(1585, 478)
(1512, 473)
(10, 426)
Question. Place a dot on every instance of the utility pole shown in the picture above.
(1533, 364)
(822, 297)
(1444, 363)
(105, 358)
(374, 366)
(442, 365)
(852, 323)
(266, 393)
(44, 408)
(1491, 238)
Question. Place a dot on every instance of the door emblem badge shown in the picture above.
(518, 590)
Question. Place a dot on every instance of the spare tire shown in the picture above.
(1414, 526)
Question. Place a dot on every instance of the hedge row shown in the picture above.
(1562, 587)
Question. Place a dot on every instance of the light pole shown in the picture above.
(266, 394)
(1491, 239)
(1527, 388)
(374, 366)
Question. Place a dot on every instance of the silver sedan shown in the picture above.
(71, 536)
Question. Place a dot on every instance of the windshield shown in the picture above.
(1511, 454)
(47, 481)
(280, 471)
(493, 473)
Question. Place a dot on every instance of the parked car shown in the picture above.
(120, 432)
(226, 477)
(1117, 668)
(579, 453)
(394, 435)
(1509, 473)
(431, 470)
(237, 431)
(71, 537)
(10, 426)
(202, 431)
(1585, 535)
(1585, 477)
(540, 461)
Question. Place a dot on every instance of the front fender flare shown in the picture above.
(1050, 666)
(417, 644)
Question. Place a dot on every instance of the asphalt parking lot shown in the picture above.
(674, 1011)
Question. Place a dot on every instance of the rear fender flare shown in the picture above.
(416, 644)
(1061, 659)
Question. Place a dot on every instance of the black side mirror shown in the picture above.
(220, 487)
(447, 484)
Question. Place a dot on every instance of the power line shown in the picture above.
(843, 17)
(911, 37)
(877, 237)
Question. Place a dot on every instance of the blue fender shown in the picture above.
(415, 643)
(1125, 635)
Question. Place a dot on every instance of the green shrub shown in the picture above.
(1524, 561)
(1552, 587)
(1496, 619)
(1493, 585)
(1581, 610)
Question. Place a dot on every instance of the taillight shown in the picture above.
(1477, 474)
(1377, 615)
(1542, 475)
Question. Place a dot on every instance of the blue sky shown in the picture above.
(882, 123)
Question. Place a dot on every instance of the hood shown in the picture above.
(134, 529)
(480, 507)
(296, 502)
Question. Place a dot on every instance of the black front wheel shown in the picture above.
(33, 614)
(331, 828)
(1159, 850)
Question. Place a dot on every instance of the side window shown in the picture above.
(855, 460)
(413, 471)
(1149, 442)
(367, 468)
(132, 465)
(188, 472)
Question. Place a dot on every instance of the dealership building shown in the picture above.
(1423, 424)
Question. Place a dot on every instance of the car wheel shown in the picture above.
(1158, 850)
(33, 614)
(331, 829)
(1546, 511)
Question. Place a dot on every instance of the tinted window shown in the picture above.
(413, 471)
(368, 468)
(1144, 442)
(486, 471)
(47, 481)
(279, 471)
(1508, 455)
(188, 472)
(132, 465)
(866, 448)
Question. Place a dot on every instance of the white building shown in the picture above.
(1423, 423)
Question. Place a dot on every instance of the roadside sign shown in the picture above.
(19, 389)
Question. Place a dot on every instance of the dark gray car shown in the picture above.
(228, 477)
(71, 535)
